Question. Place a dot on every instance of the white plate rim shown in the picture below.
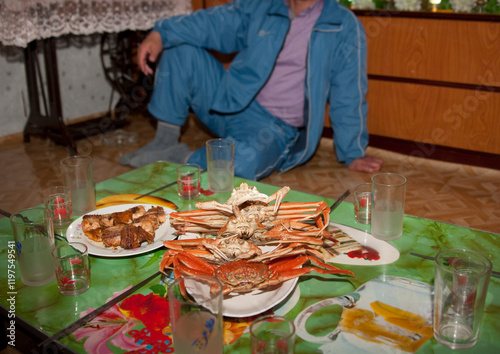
(232, 307)
(388, 253)
(165, 232)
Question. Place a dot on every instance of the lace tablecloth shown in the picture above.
(22, 21)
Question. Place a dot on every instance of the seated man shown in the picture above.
(292, 57)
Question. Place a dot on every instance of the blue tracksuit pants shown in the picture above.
(187, 77)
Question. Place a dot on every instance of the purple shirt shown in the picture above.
(283, 95)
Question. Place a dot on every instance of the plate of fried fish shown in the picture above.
(122, 230)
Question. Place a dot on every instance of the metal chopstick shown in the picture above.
(493, 273)
(341, 198)
(165, 186)
(156, 190)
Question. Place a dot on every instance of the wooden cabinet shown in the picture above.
(198, 4)
(203, 4)
(434, 80)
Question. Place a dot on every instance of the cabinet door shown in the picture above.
(452, 117)
(454, 51)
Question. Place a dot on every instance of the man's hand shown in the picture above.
(149, 49)
(366, 164)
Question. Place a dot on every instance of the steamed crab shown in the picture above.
(232, 232)
(243, 276)
(248, 214)
(212, 250)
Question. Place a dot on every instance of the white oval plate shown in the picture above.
(257, 301)
(388, 253)
(75, 234)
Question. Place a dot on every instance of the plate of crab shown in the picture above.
(258, 249)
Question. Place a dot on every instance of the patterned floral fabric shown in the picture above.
(23, 21)
(141, 324)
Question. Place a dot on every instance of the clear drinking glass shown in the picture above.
(388, 199)
(272, 334)
(196, 314)
(460, 288)
(188, 181)
(363, 202)
(78, 176)
(34, 236)
(58, 200)
(220, 165)
(71, 263)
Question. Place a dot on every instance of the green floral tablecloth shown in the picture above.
(140, 323)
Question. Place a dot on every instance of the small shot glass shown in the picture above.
(71, 262)
(272, 334)
(363, 202)
(58, 201)
(188, 181)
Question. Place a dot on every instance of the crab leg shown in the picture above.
(279, 233)
(215, 206)
(179, 245)
(288, 224)
(196, 229)
(196, 212)
(284, 265)
(326, 216)
(166, 261)
(300, 210)
(217, 221)
(287, 269)
(195, 263)
(289, 237)
(287, 250)
(310, 206)
(278, 196)
(209, 220)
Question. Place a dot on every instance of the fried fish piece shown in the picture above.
(112, 236)
(127, 229)
(134, 236)
(126, 236)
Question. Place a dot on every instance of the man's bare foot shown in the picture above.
(366, 164)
